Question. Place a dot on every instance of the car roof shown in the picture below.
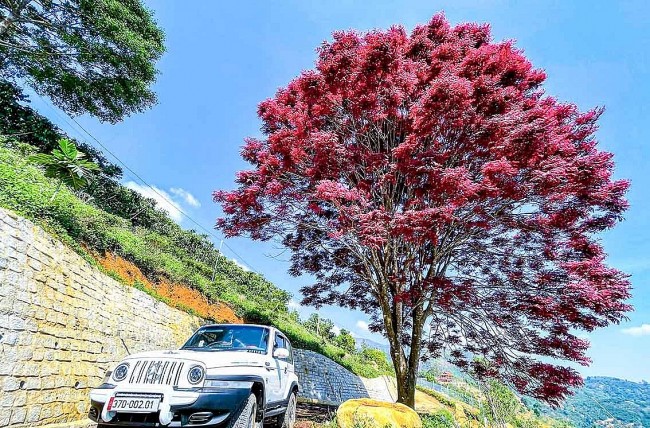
(239, 325)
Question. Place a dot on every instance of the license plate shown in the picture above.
(133, 404)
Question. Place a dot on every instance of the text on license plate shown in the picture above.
(133, 404)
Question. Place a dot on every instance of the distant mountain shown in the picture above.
(604, 402)
(372, 344)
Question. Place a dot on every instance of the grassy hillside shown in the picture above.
(148, 250)
(475, 410)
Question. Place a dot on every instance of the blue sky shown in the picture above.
(223, 58)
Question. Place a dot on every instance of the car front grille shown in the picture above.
(157, 372)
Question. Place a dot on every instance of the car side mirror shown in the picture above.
(281, 353)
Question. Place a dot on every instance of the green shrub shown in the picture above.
(438, 396)
(440, 419)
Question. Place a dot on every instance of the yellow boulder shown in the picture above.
(368, 413)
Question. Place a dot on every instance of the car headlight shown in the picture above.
(195, 374)
(120, 372)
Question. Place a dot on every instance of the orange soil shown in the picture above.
(179, 295)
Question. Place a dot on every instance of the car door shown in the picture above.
(282, 365)
(273, 376)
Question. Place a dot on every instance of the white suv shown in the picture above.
(231, 375)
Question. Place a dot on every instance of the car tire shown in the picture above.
(245, 416)
(288, 418)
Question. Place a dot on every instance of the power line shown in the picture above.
(601, 406)
(136, 175)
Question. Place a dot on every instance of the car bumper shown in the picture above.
(181, 403)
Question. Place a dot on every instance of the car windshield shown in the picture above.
(229, 338)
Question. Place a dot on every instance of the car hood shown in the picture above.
(210, 359)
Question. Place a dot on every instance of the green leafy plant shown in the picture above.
(439, 419)
(66, 164)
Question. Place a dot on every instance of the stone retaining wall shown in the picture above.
(325, 381)
(63, 323)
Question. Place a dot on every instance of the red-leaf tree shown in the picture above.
(427, 180)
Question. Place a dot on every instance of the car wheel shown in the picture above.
(245, 416)
(288, 418)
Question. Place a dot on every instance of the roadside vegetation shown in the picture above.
(159, 257)
(131, 239)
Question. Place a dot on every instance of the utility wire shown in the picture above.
(153, 188)
(601, 406)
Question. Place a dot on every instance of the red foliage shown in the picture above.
(427, 177)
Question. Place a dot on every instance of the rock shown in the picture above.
(365, 412)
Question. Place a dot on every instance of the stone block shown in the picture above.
(18, 415)
(33, 414)
(32, 383)
(34, 264)
(50, 368)
(6, 400)
(6, 366)
(7, 305)
(25, 339)
(20, 398)
(5, 417)
(48, 382)
(23, 295)
(16, 323)
(25, 368)
(60, 381)
(46, 412)
(25, 353)
(10, 384)
(9, 338)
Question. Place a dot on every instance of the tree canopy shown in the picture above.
(88, 56)
(428, 180)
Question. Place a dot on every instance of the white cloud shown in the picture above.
(187, 196)
(642, 330)
(241, 265)
(336, 329)
(162, 198)
(293, 304)
(362, 325)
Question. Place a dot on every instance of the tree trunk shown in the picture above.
(406, 375)
(406, 370)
